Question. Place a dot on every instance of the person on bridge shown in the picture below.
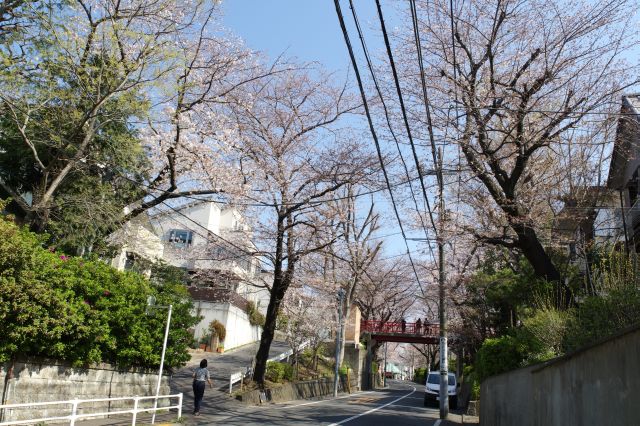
(200, 376)
(418, 326)
(404, 325)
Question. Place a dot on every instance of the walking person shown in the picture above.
(419, 326)
(200, 377)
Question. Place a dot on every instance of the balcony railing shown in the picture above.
(422, 329)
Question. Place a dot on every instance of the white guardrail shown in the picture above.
(239, 376)
(74, 403)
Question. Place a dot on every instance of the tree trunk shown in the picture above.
(268, 331)
(542, 265)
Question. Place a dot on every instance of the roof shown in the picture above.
(630, 110)
(217, 295)
(634, 102)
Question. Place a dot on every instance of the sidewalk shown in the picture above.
(217, 402)
(221, 366)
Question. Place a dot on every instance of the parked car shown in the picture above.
(432, 389)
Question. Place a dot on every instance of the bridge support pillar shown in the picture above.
(370, 381)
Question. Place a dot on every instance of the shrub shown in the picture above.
(83, 310)
(344, 369)
(420, 375)
(501, 354)
(548, 327)
(289, 372)
(255, 316)
(275, 371)
(470, 377)
(218, 329)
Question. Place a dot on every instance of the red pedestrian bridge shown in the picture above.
(402, 332)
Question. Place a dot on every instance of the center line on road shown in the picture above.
(318, 402)
(373, 409)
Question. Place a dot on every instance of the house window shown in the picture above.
(129, 261)
(180, 238)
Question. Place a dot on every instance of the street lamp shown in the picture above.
(151, 304)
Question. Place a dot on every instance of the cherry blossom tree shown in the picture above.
(309, 316)
(355, 249)
(511, 95)
(295, 156)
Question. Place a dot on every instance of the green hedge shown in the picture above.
(278, 372)
(83, 311)
(255, 316)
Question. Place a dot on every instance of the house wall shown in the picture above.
(629, 145)
(236, 321)
(137, 239)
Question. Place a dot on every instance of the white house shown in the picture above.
(213, 243)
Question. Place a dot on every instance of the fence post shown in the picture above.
(180, 405)
(135, 410)
(74, 412)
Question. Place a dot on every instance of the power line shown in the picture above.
(386, 113)
(264, 204)
(404, 115)
(374, 134)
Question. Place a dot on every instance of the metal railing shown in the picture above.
(75, 403)
(428, 329)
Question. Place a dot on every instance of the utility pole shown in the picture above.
(338, 342)
(384, 380)
(442, 310)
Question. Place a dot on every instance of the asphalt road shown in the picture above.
(400, 404)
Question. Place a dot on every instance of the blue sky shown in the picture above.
(306, 29)
(309, 31)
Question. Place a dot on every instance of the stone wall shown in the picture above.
(298, 390)
(32, 380)
(597, 385)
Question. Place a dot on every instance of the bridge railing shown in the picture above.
(423, 329)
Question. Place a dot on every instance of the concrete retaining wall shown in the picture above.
(33, 380)
(506, 399)
(598, 385)
(298, 390)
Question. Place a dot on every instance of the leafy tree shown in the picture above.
(112, 105)
(83, 311)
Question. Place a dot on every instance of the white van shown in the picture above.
(432, 389)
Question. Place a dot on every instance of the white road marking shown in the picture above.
(437, 423)
(373, 409)
(318, 402)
